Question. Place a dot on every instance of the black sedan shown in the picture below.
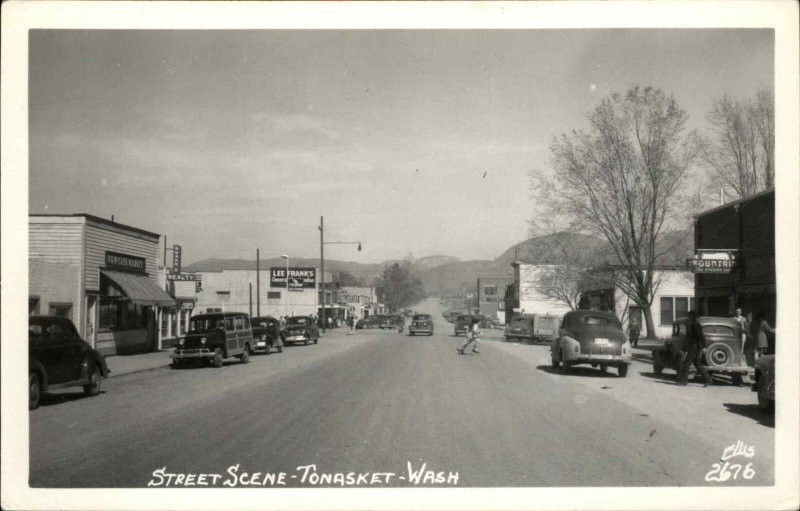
(58, 357)
(301, 329)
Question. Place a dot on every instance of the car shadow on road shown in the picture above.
(664, 377)
(752, 412)
(580, 371)
(55, 398)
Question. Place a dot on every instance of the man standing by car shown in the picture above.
(695, 345)
(633, 331)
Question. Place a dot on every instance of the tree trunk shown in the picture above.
(648, 321)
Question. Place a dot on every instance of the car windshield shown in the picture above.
(519, 321)
(260, 322)
(422, 317)
(205, 324)
(297, 321)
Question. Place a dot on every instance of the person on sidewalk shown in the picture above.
(352, 325)
(633, 332)
(472, 337)
(695, 346)
(762, 331)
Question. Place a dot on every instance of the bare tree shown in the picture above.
(741, 148)
(561, 283)
(624, 180)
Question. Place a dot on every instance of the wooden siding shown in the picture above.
(100, 239)
(51, 242)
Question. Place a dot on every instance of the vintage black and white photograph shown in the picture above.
(308, 252)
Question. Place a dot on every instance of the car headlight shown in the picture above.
(263, 337)
(202, 340)
(181, 341)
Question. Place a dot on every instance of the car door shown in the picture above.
(57, 352)
(73, 352)
(231, 340)
(246, 333)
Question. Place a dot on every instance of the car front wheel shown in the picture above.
(764, 404)
(245, 358)
(34, 391)
(217, 358)
(95, 377)
(564, 364)
(622, 370)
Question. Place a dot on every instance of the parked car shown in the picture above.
(373, 321)
(723, 347)
(421, 324)
(764, 382)
(462, 324)
(452, 316)
(591, 337)
(392, 322)
(213, 337)
(301, 329)
(532, 328)
(58, 358)
(267, 334)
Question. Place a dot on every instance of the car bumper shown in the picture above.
(296, 338)
(420, 331)
(519, 335)
(184, 354)
(609, 359)
(727, 370)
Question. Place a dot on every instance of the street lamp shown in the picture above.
(286, 301)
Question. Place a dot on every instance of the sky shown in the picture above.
(414, 142)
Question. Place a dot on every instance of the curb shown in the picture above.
(135, 371)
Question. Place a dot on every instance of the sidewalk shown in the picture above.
(128, 364)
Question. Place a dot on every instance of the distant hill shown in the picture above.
(446, 274)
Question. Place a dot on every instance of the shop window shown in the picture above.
(681, 307)
(108, 314)
(273, 295)
(33, 305)
(490, 290)
(164, 324)
(666, 310)
(136, 319)
(61, 309)
(173, 319)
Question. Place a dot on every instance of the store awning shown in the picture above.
(140, 289)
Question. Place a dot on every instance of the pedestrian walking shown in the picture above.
(330, 323)
(472, 337)
(352, 325)
(762, 331)
(695, 346)
(633, 331)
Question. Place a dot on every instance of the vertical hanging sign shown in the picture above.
(176, 259)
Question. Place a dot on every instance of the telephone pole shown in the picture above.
(322, 269)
